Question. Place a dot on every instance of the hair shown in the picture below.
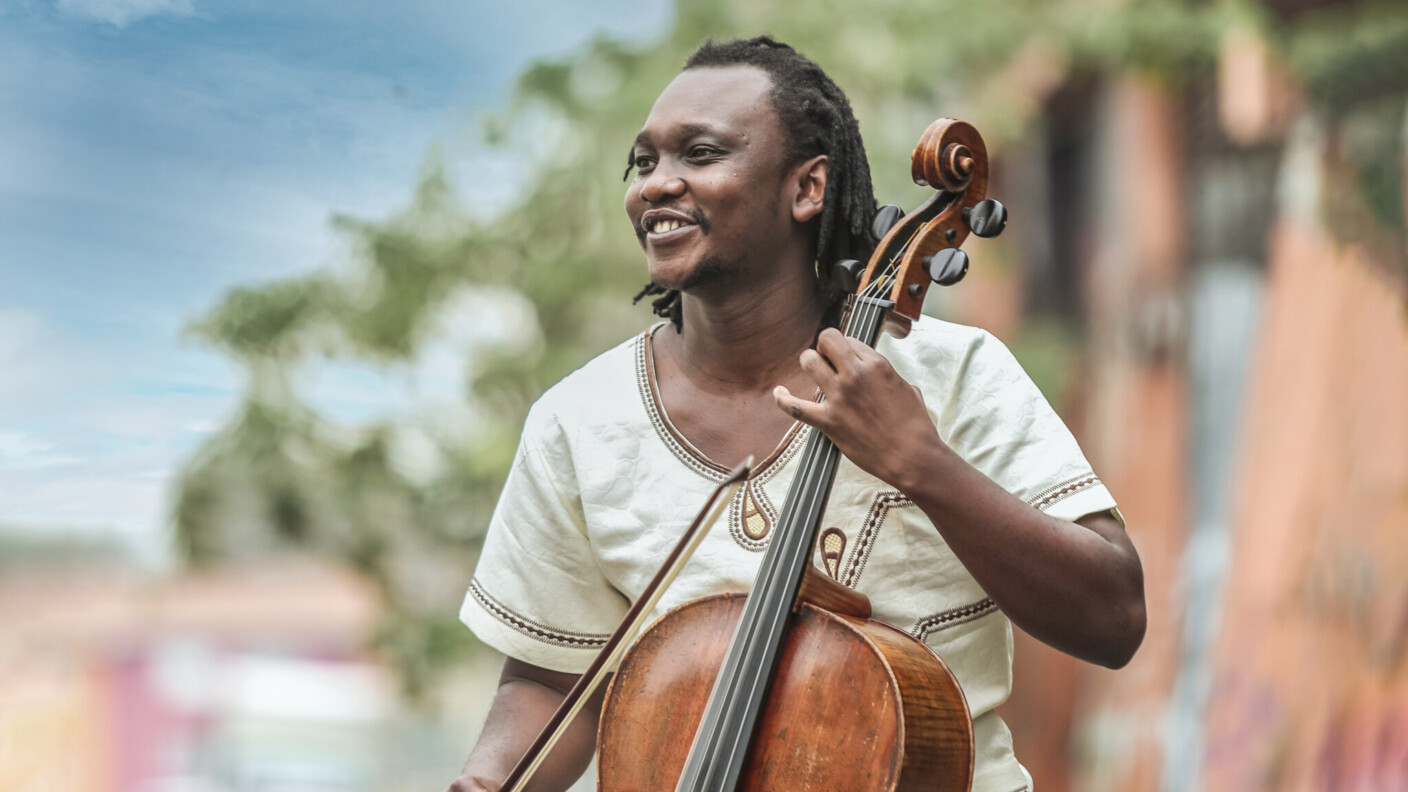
(817, 119)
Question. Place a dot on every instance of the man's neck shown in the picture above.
(748, 341)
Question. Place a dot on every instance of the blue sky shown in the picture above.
(155, 152)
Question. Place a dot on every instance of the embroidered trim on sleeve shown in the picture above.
(953, 617)
(1054, 495)
(533, 629)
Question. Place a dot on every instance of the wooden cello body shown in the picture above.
(884, 711)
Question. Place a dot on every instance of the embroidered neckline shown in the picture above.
(675, 440)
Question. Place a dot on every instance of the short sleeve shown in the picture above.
(538, 594)
(998, 420)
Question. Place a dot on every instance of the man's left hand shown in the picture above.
(876, 418)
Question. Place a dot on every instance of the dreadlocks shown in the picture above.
(817, 119)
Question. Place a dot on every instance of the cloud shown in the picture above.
(20, 450)
(120, 12)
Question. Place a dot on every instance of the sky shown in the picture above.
(154, 153)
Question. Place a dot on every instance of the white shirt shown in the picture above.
(603, 486)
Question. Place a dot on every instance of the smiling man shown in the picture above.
(963, 504)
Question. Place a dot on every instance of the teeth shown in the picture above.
(663, 226)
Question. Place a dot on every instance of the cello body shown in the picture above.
(854, 704)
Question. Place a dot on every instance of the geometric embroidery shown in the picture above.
(755, 523)
(644, 380)
(833, 545)
(751, 516)
(684, 451)
(865, 541)
(534, 629)
(1054, 495)
(943, 620)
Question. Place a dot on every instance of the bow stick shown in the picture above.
(610, 654)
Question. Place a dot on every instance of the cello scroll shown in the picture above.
(924, 246)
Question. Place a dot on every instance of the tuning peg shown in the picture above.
(947, 267)
(846, 274)
(986, 218)
(885, 219)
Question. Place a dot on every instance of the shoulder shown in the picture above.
(604, 389)
(939, 351)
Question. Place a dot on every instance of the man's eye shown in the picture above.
(703, 152)
(644, 163)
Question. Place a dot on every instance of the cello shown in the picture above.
(794, 686)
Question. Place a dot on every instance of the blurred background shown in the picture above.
(279, 280)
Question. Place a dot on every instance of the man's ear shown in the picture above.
(811, 188)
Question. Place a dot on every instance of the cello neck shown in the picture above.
(721, 744)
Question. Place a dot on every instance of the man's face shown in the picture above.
(707, 202)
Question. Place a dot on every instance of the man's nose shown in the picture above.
(662, 184)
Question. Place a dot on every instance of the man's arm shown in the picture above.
(528, 695)
(1077, 586)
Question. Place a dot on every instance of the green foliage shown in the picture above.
(282, 478)
(1349, 55)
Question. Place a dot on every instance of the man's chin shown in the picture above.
(684, 278)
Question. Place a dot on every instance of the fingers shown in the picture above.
(818, 368)
(468, 783)
(851, 358)
(808, 412)
(841, 352)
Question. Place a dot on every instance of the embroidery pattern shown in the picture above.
(534, 629)
(657, 418)
(943, 620)
(687, 454)
(1054, 495)
(751, 516)
(865, 542)
(833, 545)
(753, 490)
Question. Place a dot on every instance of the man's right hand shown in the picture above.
(466, 783)
(527, 697)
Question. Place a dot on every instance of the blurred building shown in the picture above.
(1236, 256)
(253, 678)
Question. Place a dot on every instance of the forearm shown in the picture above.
(1076, 586)
(526, 699)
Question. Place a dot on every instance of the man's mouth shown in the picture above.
(664, 225)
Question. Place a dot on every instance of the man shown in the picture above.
(963, 501)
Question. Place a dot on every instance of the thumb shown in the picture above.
(804, 410)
